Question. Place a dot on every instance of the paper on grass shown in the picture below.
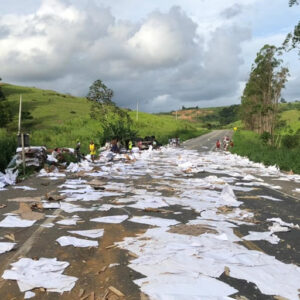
(12, 221)
(111, 219)
(43, 273)
(76, 242)
(92, 233)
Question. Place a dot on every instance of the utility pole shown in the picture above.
(137, 110)
(176, 116)
(21, 134)
(20, 113)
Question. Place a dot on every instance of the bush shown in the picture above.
(8, 146)
(290, 141)
(247, 143)
(265, 137)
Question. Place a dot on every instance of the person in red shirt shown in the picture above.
(218, 145)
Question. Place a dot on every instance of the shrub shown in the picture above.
(8, 146)
(290, 141)
(265, 137)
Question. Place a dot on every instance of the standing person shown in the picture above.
(130, 145)
(218, 145)
(77, 152)
(92, 150)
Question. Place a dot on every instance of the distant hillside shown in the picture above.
(55, 119)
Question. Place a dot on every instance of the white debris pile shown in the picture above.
(9, 178)
(34, 156)
(173, 259)
(43, 273)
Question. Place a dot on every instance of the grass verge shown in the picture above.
(248, 143)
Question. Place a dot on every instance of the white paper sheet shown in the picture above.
(43, 273)
(76, 242)
(92, 233)
(29, 295)
(5, 247)
(153, 221)
(267, 236)
(12, 221)
(111, 219)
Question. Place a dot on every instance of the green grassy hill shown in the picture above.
(57, 120)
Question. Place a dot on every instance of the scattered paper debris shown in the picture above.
(76, 242)
(43, 273)
(23, 187)
(111, 219)
(12, 221)
(92, 233)
(153, 221)
(29, 295)
(267, 236)
(5, 247)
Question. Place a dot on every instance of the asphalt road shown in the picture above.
(91, 265)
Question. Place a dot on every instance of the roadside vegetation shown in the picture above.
(255, 147)
(272, 126)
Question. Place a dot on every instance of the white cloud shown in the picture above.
(164, 58)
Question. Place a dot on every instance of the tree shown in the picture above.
(293, 2)
(115, 122)
(292, 40)
(100, 93)
(262, 92)
(5, 109)
(229, 114)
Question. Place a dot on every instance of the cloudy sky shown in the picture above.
(164, 54)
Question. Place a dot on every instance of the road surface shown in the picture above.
(188, 211)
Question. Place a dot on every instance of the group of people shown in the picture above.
(79, 155)
(227, 143)
(114, 146)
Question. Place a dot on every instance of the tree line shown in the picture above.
(260, 99)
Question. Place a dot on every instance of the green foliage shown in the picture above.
(60, 120)
(229, 114)
(5, 109)
(248, 143)
(68, 158)
(8, 146)
(165, 127)
(115, 122)
(100, 93)
(292, 40)
(293, 2)
(262, 92)
(265, 137)
(290, 141)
